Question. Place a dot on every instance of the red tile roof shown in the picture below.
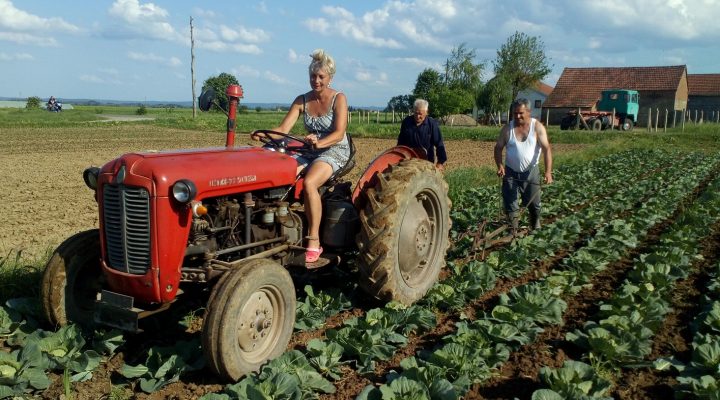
(704, 84)
(543, 88)
(581, 87)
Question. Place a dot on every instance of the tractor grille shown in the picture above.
(127, 228)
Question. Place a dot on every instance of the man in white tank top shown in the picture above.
(524, 139)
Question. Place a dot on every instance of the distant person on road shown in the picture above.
(525, 139)
(422, 131)
(325, 113)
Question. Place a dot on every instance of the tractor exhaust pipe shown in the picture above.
(234, 93)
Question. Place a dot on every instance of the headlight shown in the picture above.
(184, 190)
(90, 176)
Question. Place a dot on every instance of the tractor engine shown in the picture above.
(230, 227)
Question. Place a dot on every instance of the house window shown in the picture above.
(538, 103)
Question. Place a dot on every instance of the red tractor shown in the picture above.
(232, 218)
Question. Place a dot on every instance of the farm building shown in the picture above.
(537, 96)
(664, 87)
(704, 94)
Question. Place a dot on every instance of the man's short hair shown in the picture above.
(421, 104)
(520, 102)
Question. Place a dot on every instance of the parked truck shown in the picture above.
(617, 109)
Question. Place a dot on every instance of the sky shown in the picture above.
(137, 50)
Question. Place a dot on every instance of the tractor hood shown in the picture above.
(214, 171)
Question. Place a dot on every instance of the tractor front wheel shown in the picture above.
(72, 280)
(249, 318)
(404, 231)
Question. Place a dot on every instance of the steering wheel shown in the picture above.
(266, 138)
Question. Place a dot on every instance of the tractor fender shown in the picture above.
(387, 158)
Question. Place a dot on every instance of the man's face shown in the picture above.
(420, 116)
(521, 114)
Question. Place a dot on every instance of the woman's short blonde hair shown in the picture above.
(322, 60)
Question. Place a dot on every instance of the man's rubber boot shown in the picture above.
(534, 221)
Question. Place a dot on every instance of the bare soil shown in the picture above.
(41, 173)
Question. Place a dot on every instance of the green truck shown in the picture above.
(617, 109)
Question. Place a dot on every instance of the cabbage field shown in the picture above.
(616, 296)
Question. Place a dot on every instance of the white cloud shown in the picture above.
(275, 78)
(416, 62)
(142, 20)
(16, 57)
(154, 59)
(21, 27)
(199, 12)
(443, 8)
(14, 19)
(246, 71)
(292, 56)
(91, 78)
(25, 38)
(243, 34)
(261, 7)
(345, 24)
(672, 19)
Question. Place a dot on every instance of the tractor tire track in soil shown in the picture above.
(674, 336)
(519, 376)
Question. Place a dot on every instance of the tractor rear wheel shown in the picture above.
(404, 231)
(249, 318)
(596, 124)
(72, 280)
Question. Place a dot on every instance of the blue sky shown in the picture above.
(140, 50)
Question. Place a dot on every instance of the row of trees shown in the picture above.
(520, 63)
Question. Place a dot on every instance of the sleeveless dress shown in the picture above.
(336, 155)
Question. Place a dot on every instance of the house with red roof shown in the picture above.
(537, 94)
(704, 95)
(661, 88)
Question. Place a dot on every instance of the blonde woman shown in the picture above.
(324, 113)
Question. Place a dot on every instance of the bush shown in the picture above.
(33, 103)
(142, 110)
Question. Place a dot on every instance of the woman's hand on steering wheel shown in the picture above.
(269, 137)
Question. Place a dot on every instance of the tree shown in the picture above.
(461, 71)
(427, 85)
(220, 84)
(400, 103)
(522, 62)
(495, 96)
(32, 103)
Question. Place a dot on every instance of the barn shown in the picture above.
(660, 88)
(704, 95)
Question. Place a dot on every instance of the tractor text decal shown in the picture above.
(232, 180)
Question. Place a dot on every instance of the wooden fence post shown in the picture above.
(612, 122)
(696, 120)
(649, 125)
(683, 120)
(547, 117)
(701, 116)
(657, 117)
(666, 119)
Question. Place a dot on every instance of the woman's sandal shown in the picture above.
(312, 254)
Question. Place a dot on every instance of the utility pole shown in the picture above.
(192, 67)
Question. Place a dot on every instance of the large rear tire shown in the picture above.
(249, 318)
(404, 232)
(72, 279)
